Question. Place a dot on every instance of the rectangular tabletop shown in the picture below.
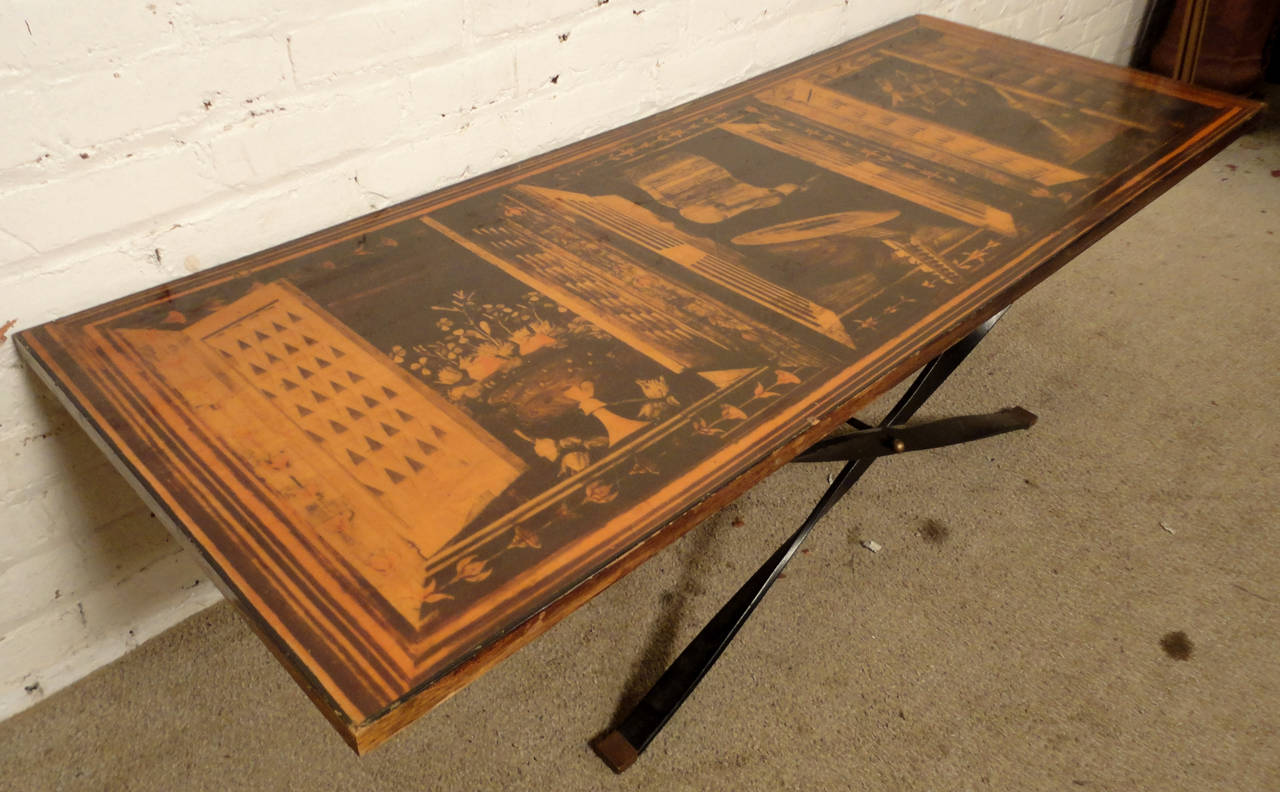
(408, 444)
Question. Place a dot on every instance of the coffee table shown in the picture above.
(407, 445)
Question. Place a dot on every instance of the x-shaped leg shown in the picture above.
(876, 441)
(620, 747)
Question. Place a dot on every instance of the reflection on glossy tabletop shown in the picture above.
(410, 443)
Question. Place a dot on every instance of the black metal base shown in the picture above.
(621, 746)
(877, 441)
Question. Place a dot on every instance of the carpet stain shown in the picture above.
(1177, 645)
(934, 532)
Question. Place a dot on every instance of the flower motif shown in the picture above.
(546, 448)
(522, 538)
(481, 367)
(786, 378)
(702, 427)
(431, 593)
(449, 375)
(460, 392)
(659, 398)
(534, 336)
(761, 393)
(574, 462)
(654, 388)
(653, 410)
(730, 413)
(599, 492)
(472, 569)
(397, 354)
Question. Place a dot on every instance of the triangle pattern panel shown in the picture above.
(367, 428)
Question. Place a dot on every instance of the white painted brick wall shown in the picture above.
(142, 141)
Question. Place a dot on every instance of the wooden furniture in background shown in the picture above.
(1219, 44)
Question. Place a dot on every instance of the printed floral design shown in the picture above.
(473, 345)
(978, 255)
(478, 340)
(728, 414)
(731, 414)
(869, 323)
(431, 594)
(658, 398)
(599, 492)
(761, 393)
(471, 569)
(573, 453)
(898, 304)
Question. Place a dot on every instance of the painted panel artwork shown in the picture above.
(398, 440)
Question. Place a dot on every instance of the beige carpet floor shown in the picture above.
(1013, 633)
